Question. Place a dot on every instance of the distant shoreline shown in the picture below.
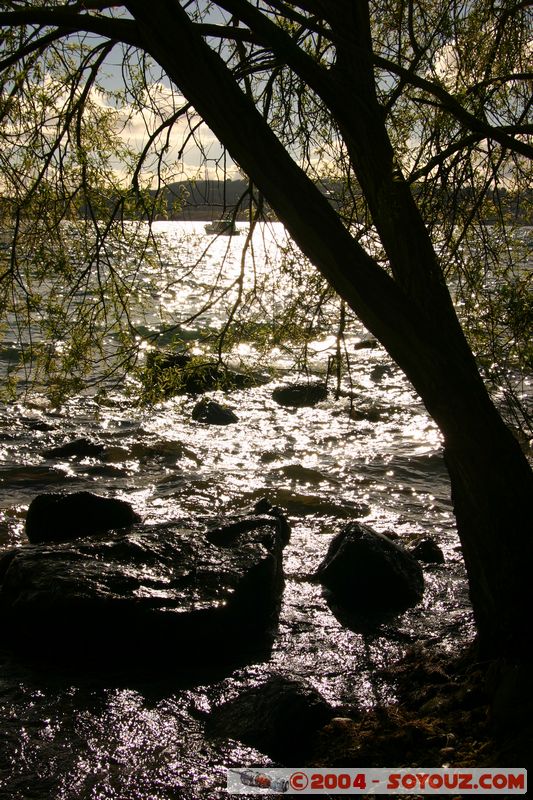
(208, 200)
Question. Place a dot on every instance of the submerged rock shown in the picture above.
(58, 517)
(428, 551)
(365, 344)
(160, 592)
(81, 448)
(264, 506)
(366, 414)
(280, 718)
(170, 373)
(221, 531)
(366, 572)
(212, 413)
(300, 395)
(380, 371)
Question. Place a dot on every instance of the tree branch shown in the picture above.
(226, 32)
(317, 7)
(93, 5)
(38, 44)
(467, 141)
(449, 103)
(306, 22)
(318, 79)
(282, 45)
(67, 21)
(513, 76)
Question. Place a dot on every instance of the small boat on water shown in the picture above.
(222, 227)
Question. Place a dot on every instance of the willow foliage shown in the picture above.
(453, 80)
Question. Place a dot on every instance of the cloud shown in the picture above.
(186, 149)
(189, 147)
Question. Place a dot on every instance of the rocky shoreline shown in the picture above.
(97, 589)
(161, 593)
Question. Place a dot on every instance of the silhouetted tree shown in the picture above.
(408, 102)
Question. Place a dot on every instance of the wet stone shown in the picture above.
(428, 551)
(158, 594)
(60, 517)
(366, 572)
(37, 424)
(300, 395)
(281, 718)
(212, 413)
(186, 374)
(81, 448)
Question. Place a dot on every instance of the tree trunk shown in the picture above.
(492, 483)
(492, 503)
(492, 495)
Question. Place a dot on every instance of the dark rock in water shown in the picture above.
(365, 344)
(297, 472)
(366, 414)
(279, 718)
(153, 592)
(170, 373)
(366, 572)
(212, 413)
(380, 371)
(264, 506)
(428, 551)
(79, 447)
(262, 512)
(63, 517)
(299, 395)
(37, 424)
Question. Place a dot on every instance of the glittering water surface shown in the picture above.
(70, 736)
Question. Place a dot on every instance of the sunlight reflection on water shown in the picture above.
(71, 738)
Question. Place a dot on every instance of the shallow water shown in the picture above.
(71, 736)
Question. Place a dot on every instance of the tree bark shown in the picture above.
(412, 314)
(492, 484)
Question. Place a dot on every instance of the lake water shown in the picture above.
(79, 736)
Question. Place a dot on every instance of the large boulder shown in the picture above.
(280, 718)
(300, 395)
(160, 592)
(58, 517)
(367, 573)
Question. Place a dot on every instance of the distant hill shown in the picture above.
(211, 199)
(205, 200)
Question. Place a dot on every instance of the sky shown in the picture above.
(201, 156)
